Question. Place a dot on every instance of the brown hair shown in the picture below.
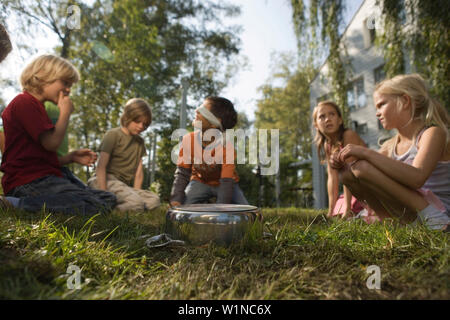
(223, 109)
(135, 109)
(5, 43)
(320, 138)
(47, 69)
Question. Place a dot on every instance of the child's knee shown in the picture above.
(346, 176)
(361, 169)
(152, 203)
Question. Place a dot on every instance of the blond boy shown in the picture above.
(32, 170)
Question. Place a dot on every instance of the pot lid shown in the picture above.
(215, 207)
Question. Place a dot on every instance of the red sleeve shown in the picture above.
(32, 117)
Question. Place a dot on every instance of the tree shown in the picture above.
(324, 18)
(247, 172)
(143, 49)
(54, 15)
(138, 48)
(421, 28)
(286, 107)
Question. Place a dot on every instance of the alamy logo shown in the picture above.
(374, 20)
(74, 20)
(255, 152)
(374, 281)
(74, 281)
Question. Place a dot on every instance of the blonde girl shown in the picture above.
(409, 178)
(332, 136)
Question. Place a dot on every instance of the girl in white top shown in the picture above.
(395, 188)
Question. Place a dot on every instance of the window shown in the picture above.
(379, 74)
(356, 95)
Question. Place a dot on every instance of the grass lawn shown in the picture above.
(307, 257)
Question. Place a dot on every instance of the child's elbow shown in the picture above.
(50, 147)
(48, 143)
(418, 183)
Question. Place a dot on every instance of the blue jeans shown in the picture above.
(61, 195)
(67, 174)
(197, 192)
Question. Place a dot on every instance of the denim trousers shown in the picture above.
(63, 196)
(67, 174)
(197, 192)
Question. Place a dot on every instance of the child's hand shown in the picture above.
(85, 157)
(175, 203)
(352, 150)
(64, 103)
(335, 162)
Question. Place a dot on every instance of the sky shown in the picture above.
(267, 28)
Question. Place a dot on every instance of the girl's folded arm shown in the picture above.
(351, 137)
(430, 149)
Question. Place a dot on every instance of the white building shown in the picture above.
(365, 68)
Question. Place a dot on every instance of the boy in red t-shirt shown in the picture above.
(32, 175)
(206, 167)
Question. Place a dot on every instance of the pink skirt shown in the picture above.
(356, 206)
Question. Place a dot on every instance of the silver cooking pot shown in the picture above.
(223, 224)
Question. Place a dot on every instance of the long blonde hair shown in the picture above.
(320, 138)
(425, 107)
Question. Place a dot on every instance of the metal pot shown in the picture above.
(223, 224)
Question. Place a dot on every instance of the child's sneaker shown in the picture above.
(363, 213)
(434, 219)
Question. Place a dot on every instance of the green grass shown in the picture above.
(307, 257)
